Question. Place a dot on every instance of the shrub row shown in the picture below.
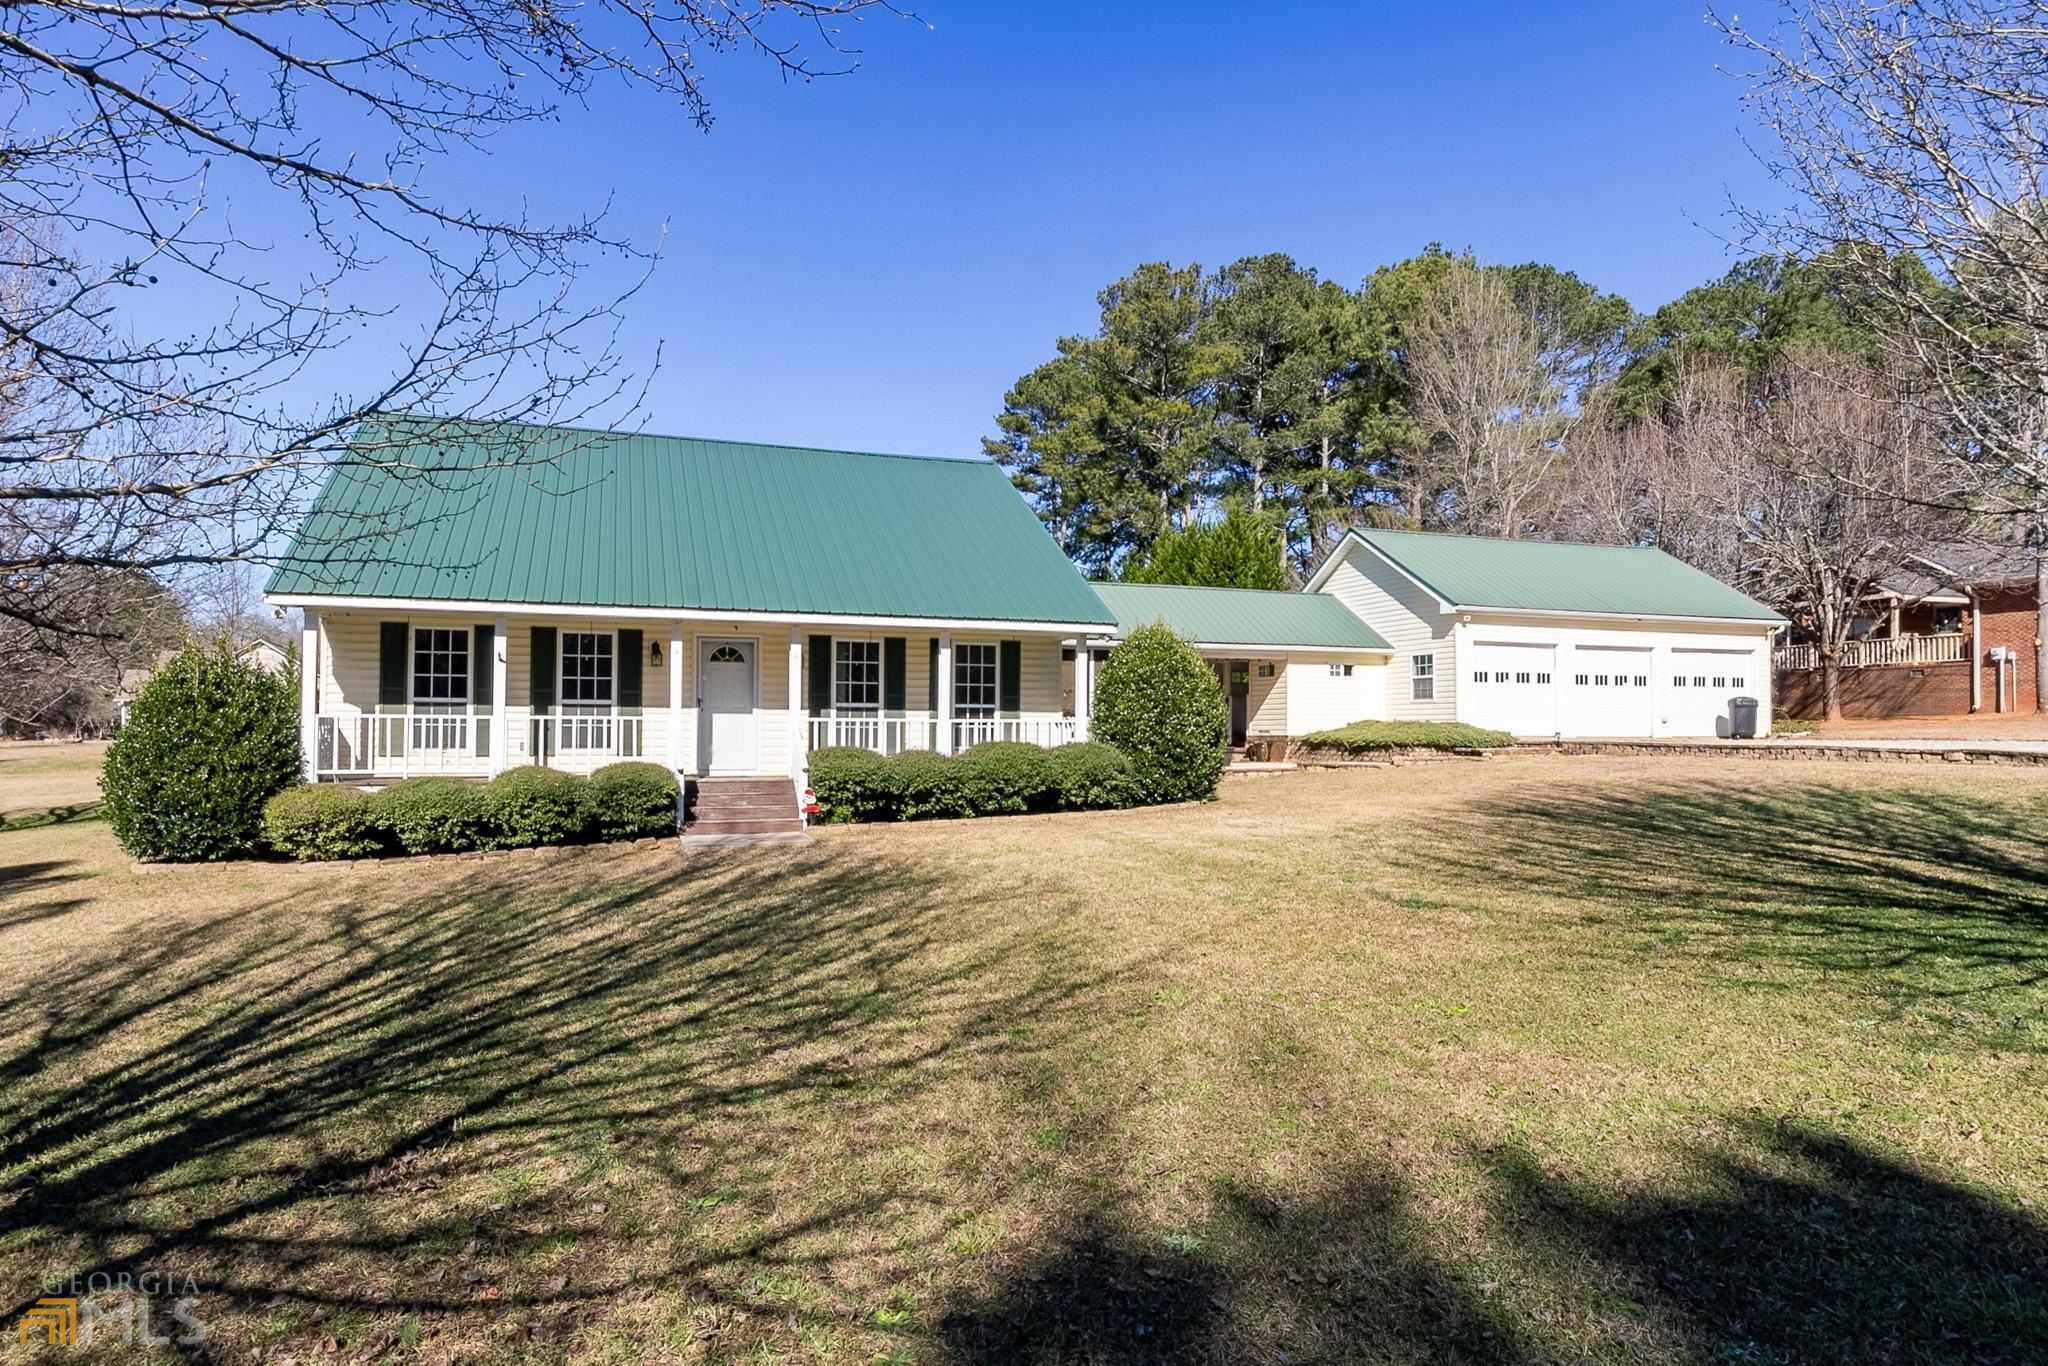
(521, 807)
(1000, 778)
(1366, 737)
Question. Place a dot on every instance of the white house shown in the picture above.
(1543, 638)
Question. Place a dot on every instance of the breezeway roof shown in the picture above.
(1559, 576)
(443, 510)
(1241, 616)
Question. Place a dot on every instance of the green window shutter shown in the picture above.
(540, 674)
(819, 691)
(629, 669)
(1010, 677)
(894, 668)
(931, 681)
(392, 651)
(483, 664)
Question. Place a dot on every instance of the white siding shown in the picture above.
(1266, 708)
(1319, 700)
(1410, 620)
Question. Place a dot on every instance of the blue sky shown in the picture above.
(868, 261)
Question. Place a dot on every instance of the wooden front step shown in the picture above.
(740, 806)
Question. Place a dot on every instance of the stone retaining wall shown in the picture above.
(1800, 750)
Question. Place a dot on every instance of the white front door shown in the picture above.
(728, 726)
(1510, 686)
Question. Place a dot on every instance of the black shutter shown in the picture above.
(894, 667)
(392, 660)
(629, 669)
(540, 674)
(1010, 677)
(483, 663)
(931, 681)
(821, 675)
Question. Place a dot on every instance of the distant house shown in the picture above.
(484, 595)
(1950, 634)
(266, 655)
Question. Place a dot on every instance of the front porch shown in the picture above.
(392, 696)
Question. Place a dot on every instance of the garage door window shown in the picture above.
(1422, 678)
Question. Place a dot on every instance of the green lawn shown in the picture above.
(1533, 1058)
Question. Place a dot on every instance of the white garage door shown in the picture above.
(1703, 682)
(1611, 693)
(1510, 686)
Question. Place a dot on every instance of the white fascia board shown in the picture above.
(556, 609)
(1524, 613)
(1275, 651)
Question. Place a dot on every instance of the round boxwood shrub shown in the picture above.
(922, 785)
(536, 806)
(633, 799)
(848, 783)
(1090, 776)
(210, 739)
(1004, 776)
(1158, 701)
(322, 821)
(434, 815)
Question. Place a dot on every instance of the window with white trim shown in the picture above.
(586, 678)
(857, 677)
(1265, 668)
(974, 680)
(1422, 678)
(440, 664)
(1340, 671)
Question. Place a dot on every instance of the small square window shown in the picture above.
(1521, 678)
(1582, 679)
(1265, 668)
(1340, 671)
(1542, 678)
(1735, 682)
(1642, 680)
(1679, 681)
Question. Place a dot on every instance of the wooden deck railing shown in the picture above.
(1888, 652)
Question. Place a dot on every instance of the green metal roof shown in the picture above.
(1557, 576)
(503, 512)
(1241, 616)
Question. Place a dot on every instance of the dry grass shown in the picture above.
(1982, 726)
(1531, 1058)
(44, 782)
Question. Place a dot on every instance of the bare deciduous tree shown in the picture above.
(1918, 133)
(211, 213)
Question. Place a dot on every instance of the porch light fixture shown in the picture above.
(654, 653)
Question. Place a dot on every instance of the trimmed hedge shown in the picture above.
(521, 807)
(434, 816)
(998, 778)
(1160, 703)
(633, 799)
(1366, 737)
(536, 806)
(322, 821)
(209, 740)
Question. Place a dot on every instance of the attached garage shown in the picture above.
(1540, 638)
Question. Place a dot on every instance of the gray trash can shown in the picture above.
(1742, 718)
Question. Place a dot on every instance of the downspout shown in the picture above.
(1976, 653)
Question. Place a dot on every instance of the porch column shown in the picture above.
(799, 761)
(501, 696)
(309, 697)
(675, 696)
(944, 739)
(1084, 686)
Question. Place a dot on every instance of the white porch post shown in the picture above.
(944, 739)
(309, 697)
(501, 695)
(675, 696)
(1084, 686)
(799, 760)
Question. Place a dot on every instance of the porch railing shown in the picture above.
(894, 734)
(1888, 651)
(412, 744)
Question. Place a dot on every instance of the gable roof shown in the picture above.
(508, 513)
(1561, 576)
(1947, 569)
(1241, 616)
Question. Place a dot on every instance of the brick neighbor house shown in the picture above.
(1950, 635)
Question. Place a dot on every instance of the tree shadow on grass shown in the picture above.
(1788, 1246)
(302, 1108)
(1918, 894)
